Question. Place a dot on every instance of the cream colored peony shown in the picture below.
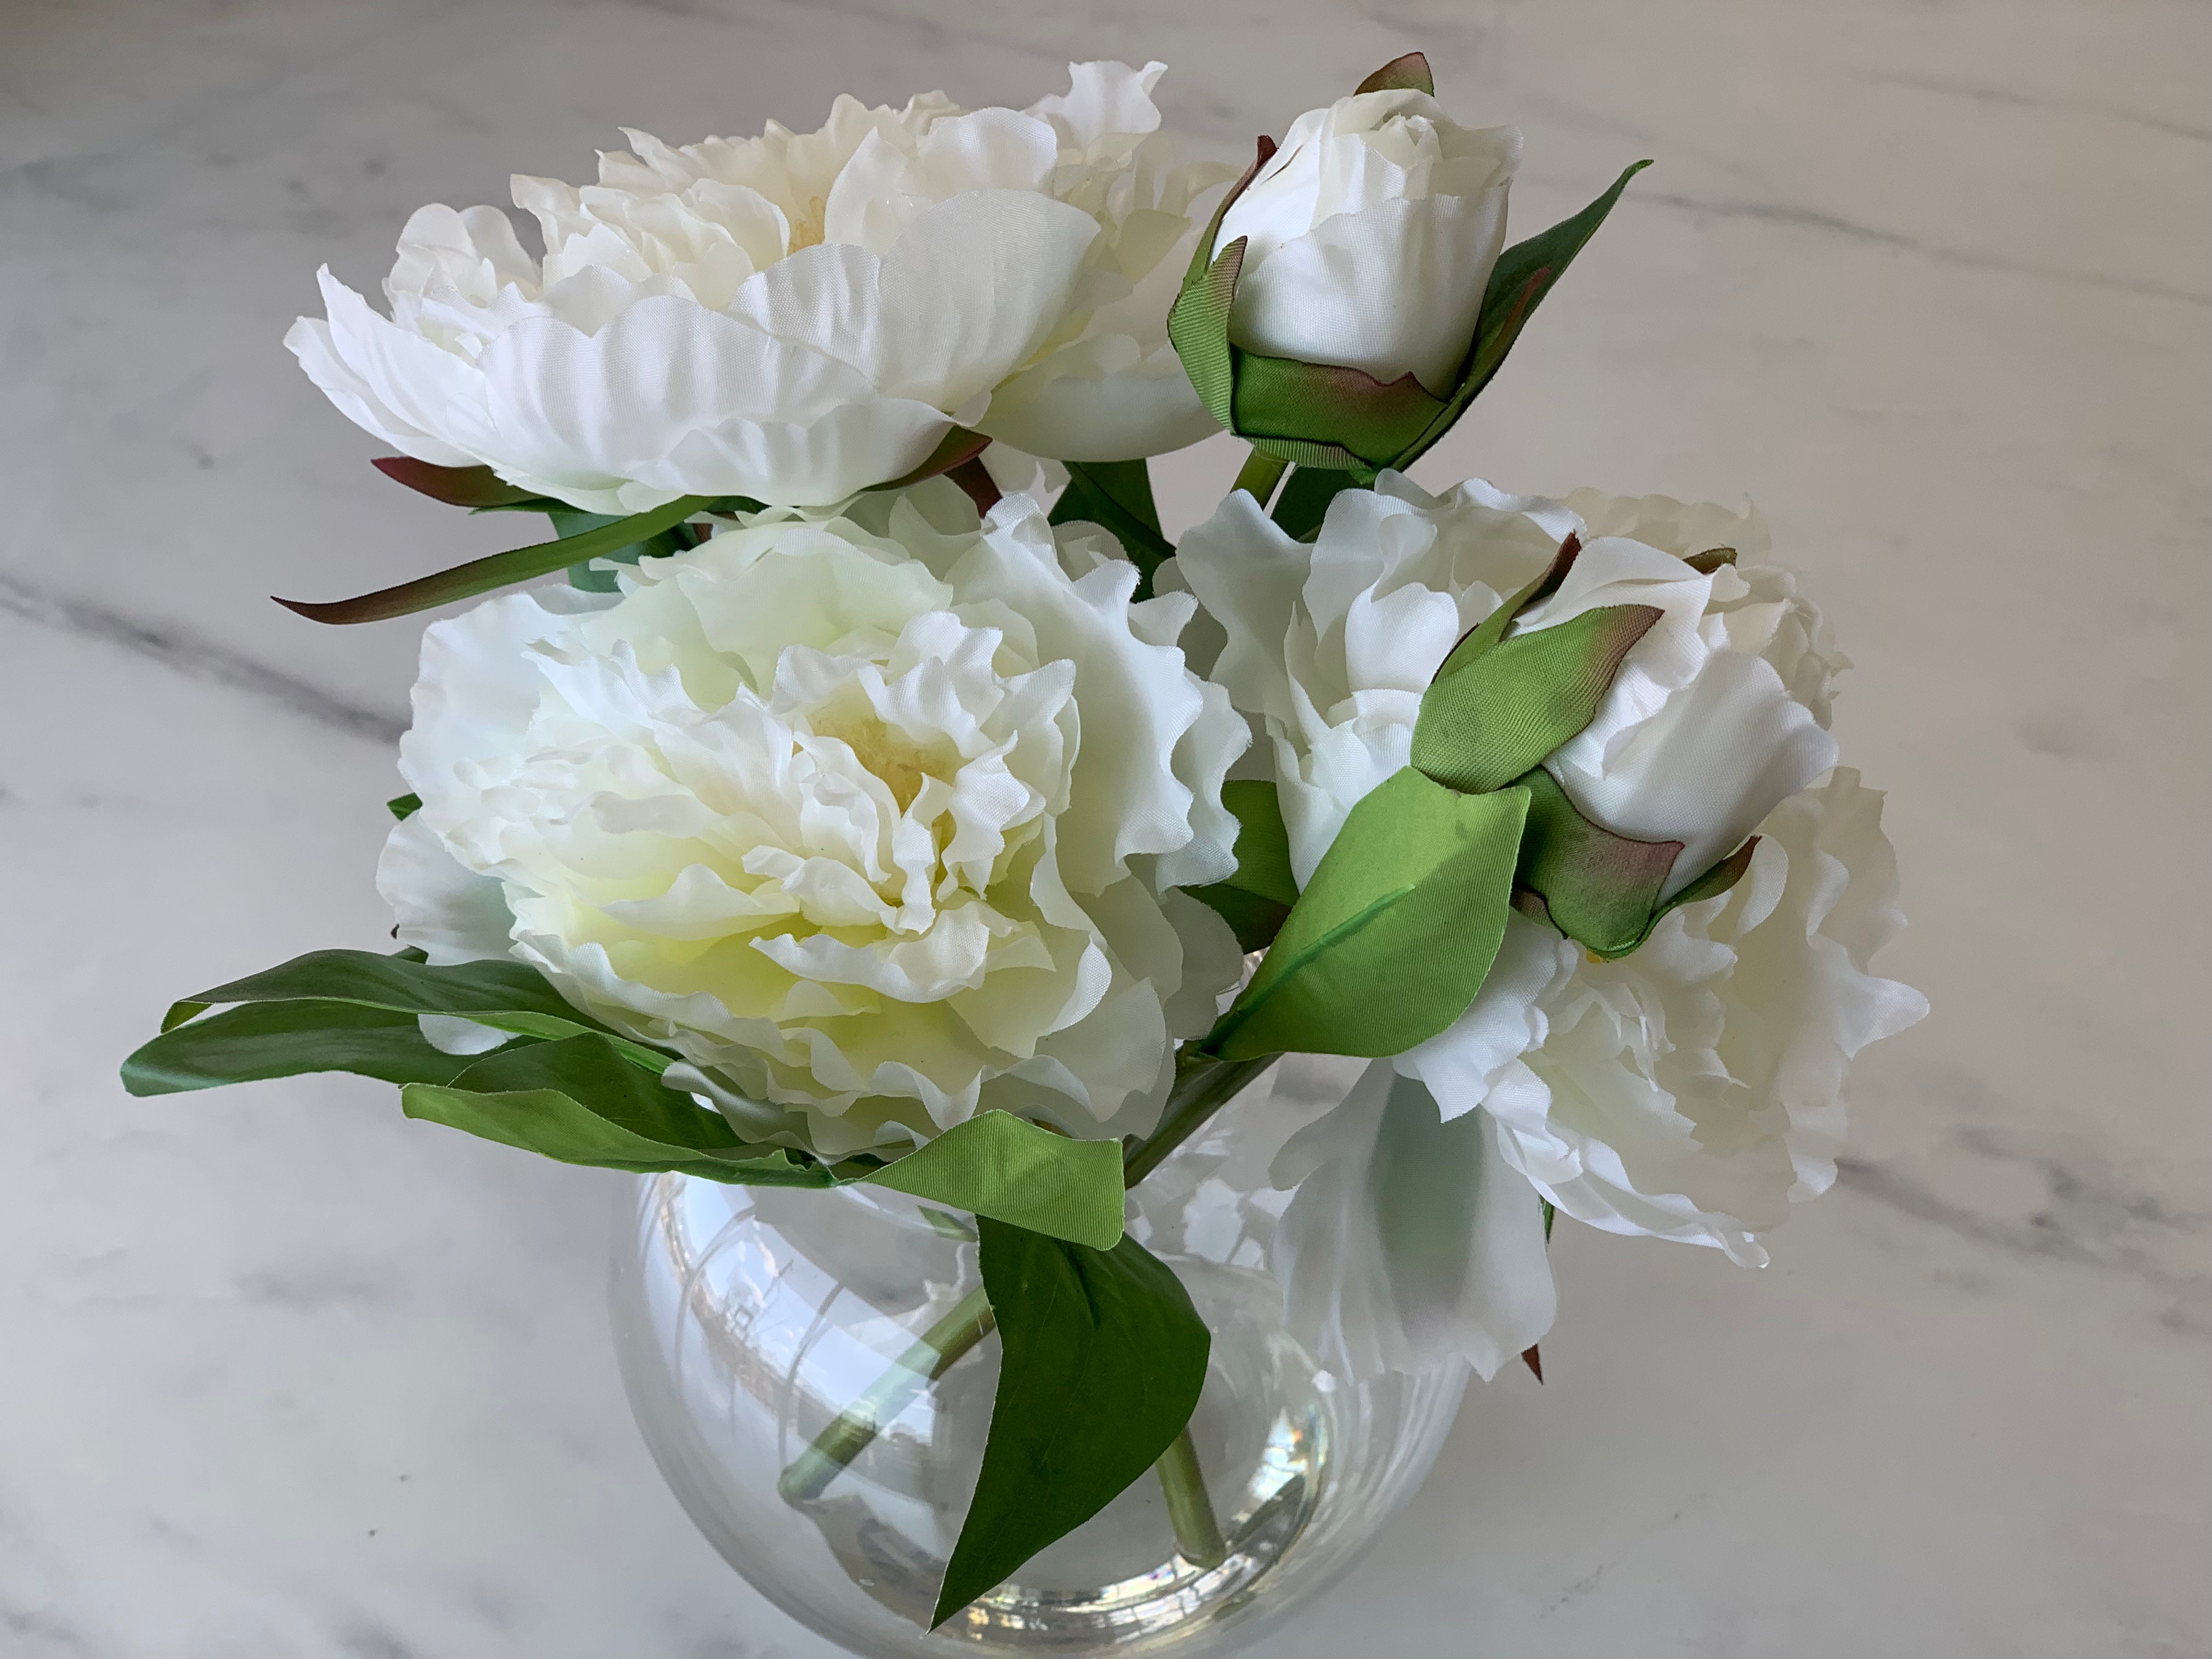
(878, 821)
(1693, 1088)
(797, 316)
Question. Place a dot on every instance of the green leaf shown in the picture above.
(476, 487)
(1257, 898)
(1523, 274)
(289, 1039)
(1391, 940)
(569, 523)
(1103, 1360)
(1409, 73)
(1599, 889)
(403, 807)
(1117, 496)
(1304, 502)
(506, 995)
(997, 1165)
(1491, 717)
(502, 569)
(578, 1100)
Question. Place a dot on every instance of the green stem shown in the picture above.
(1201, 1088)
(940, 1348)
(1198, 1534)
(1259, 475)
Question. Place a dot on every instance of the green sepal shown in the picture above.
(1306, 497)
(1197, 322)
(521, 564)
(1599, 889)
(1479, 639)
(1103, 1357)
(1321, 414)
(403, 807)
(1198, 326)
(1409, 74)
(1523, 274)
(1710, 559)
(1391, 939)
(509, 996)
(264, 1040)
(1486, 720)
(1257, 899)
(580, 1101)
(997, 1165)
(477, 488)
(1117, 496)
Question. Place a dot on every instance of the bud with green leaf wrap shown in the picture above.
(1352, 298)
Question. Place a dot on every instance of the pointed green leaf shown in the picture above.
(578, 1100)
(403, 807)
(1599, 889)
(474, 487)
(1257, 898)
(568, 524)
(1710, 559)
(506, 995)
(502, 570)
(1492, 718)
(1478, 640)
(1391, 940)
(289, 1039)
(1409, 73)
(1103, 1357)
(997, 1165)
(1523, 274)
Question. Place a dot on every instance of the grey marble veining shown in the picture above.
(284, 1375)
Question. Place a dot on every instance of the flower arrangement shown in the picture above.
(857, 811)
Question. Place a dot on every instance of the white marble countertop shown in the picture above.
(284, 1375)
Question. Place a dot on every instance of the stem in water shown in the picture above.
(1202, 1087)
(940, 1348)
(1198, 1534)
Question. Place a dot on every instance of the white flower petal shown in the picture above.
(1411, 1242)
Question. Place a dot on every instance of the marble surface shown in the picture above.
(283, 1375)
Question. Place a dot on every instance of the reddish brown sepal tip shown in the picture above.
(1533, 1360)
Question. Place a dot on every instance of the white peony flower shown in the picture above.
(1330, 645)
(793, 317)
(878, 824)
(1371, 235)
(1694, 1089)
(1667, 1092)
(1718, 712)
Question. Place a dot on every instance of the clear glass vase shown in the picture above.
(749, 1320)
